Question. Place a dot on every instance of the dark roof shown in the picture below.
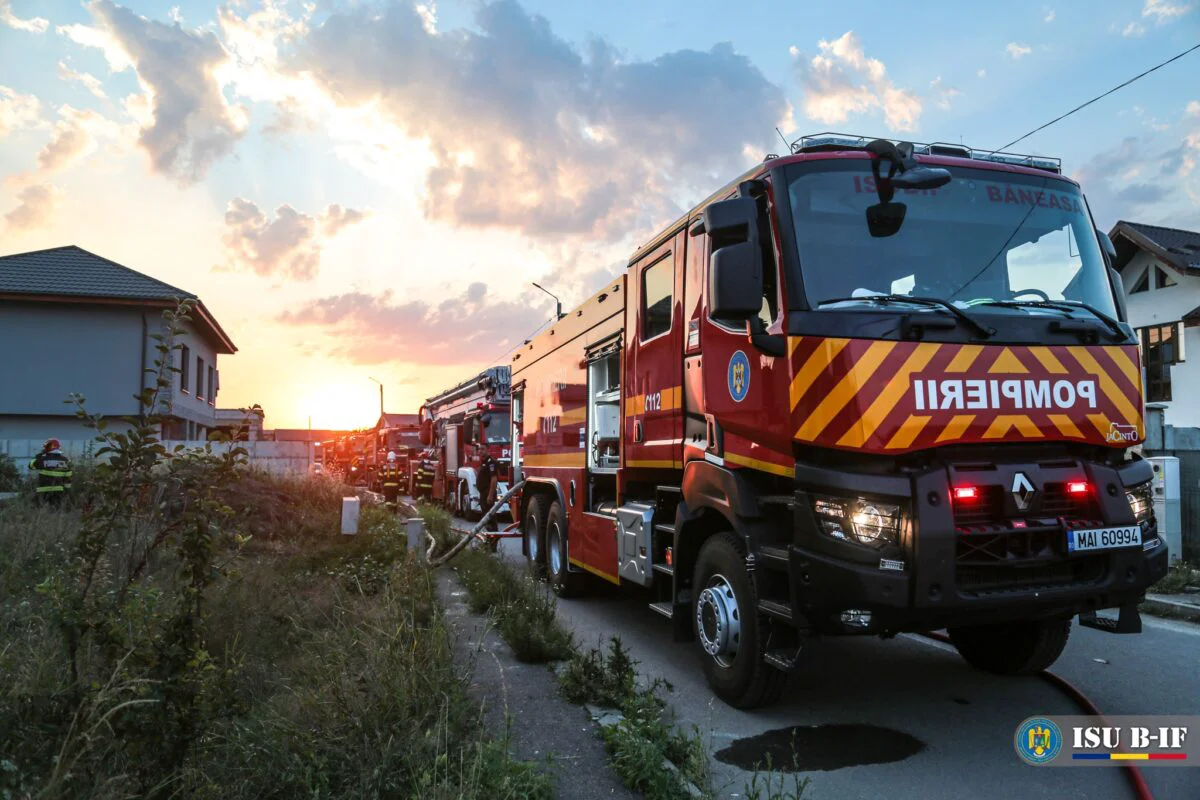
(1175, 247)
(72, 273)
(398, 420)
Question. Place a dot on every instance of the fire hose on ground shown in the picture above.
(473, 534)
(1136, 781)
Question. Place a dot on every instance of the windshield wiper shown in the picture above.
(931, 302)
(1113, 326)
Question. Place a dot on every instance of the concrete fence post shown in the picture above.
(350, 506)
(416, 537)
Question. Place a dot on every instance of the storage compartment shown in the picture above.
(604, 411)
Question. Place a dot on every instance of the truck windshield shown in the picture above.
(497, 429)
(986, 236)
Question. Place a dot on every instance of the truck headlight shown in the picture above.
(857, 519)
(1141, 501)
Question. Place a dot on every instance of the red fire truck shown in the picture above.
(868, 387)
(461, 425)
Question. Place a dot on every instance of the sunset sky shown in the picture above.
(366, 189)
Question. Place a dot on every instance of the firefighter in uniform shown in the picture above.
(53, 470)
(391, 481)
(486, 479)
(423, 477)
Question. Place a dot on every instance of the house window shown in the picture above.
(1159, 351)
(199, 378)
(657, 298)
(185, 362)
(212, 388)
(1162, 279)
(1143, 283)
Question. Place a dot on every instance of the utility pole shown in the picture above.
(380, 395)
(558, 303)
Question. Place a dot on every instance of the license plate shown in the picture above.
(1104, 538)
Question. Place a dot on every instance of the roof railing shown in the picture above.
(827, 141)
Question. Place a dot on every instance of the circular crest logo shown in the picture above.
(739, 376)
(1038, 740)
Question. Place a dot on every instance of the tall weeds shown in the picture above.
(190, 628)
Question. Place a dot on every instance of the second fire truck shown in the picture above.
(869, 387)
(457, 427)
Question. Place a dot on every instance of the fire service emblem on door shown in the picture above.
(739, 376)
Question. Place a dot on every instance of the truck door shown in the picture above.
(450, 467)
(653, 366)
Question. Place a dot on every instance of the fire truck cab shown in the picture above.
(463, 424)
(869, 387)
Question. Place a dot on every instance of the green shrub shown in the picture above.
(608, 681)
(10, 476)
(1178, 577)
(530, 626)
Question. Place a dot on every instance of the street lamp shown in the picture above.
(380, 394)
(558, 310)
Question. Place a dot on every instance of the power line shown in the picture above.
(492, 361)
(1094, 99)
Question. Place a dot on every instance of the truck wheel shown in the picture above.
(731, 633)
(564, 582)
(533, 529)
(1012, 648)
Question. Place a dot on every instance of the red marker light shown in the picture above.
(965, 493)
(1077, 487)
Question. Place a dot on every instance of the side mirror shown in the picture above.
(1106, 244)
(735, 271)
(426, 432)
(922, 178)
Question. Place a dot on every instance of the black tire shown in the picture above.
(741, 678)
(533, 530)
(1012, 648)
(563, 581)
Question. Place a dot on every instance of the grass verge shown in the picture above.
(1180, 576)
(323, 667)
(644, 739)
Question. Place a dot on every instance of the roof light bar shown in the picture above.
(841, 141)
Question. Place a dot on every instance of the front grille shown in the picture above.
(989, 508)
(985, 509)
(998, 559)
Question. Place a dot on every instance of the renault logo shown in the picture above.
(1023, 491)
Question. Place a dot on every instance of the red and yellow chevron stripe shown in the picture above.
(893, 397)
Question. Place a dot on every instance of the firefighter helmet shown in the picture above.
(51, 444)
(391, 457)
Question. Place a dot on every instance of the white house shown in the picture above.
(1160, 270)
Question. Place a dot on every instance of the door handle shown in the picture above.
(637, 430)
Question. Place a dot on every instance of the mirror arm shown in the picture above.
(773, 344)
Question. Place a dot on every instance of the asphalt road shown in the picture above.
(910, 719)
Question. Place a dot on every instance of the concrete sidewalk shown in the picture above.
(1176, 606)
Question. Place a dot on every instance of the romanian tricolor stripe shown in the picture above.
(892, 397)
(1129, 756)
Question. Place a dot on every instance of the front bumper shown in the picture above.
(938, 575)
